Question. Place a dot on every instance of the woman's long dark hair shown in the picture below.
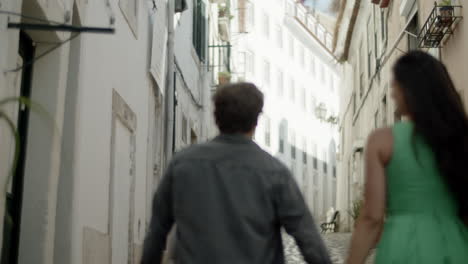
(439, 116)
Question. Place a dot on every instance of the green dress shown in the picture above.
(421, 225)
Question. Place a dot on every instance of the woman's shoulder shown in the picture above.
(380, 141)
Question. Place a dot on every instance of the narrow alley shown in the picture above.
(97, 99)
(337, 244)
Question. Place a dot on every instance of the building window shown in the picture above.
(362, 64)
(280, 83)
(384, 110)
(267, 131)
(293, 146)
(250, 61)
(383, 25)
(251, 15)
(313, 105)
(322, 73)
(325, 167)
(376, 119)
(361, 86)
(301, 56)
(315, 163)
(184, 129)
(279, 36)
(291, 46)
(193, 137)
(292, 90)
(312, 65)
(266, 25)
(369, 47)
(354, 103)
(376, 32)
(332, 84)
(266, 72)
(199, 29)
(413, 28)
(282, 136)
(304, 151)
(334, 171)
(303, 99)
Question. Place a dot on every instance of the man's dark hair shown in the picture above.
(237, 107)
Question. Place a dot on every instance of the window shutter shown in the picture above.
(203, 31)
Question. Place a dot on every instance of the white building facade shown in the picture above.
(83, 189)
(369, 41)
(282, 49)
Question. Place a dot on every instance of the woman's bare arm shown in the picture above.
(370, 222)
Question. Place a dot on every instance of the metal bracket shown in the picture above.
(411, 34)
(63, 27)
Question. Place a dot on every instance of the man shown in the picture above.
(229, 198)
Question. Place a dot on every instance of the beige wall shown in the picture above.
(455, 55)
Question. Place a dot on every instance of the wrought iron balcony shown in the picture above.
(439, 26)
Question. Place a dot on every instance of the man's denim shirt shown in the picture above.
(230, 199)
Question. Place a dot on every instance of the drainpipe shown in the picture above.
(169, 90)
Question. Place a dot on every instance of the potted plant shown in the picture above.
(446, 12)
(224, 78)
(356, 209)
(224, 12)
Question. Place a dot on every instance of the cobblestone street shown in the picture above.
(337, 245)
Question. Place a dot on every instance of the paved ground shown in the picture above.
(337, 245)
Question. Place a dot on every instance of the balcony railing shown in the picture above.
(307, 20)
(439, 26)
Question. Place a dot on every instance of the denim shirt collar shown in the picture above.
(234, 138)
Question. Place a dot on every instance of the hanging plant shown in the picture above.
(224, 12)
(446, 12)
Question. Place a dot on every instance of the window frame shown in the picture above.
(199, 29)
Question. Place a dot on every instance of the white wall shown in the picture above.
(110, 63)
(68, 168)
(192, 83)
(9, 86)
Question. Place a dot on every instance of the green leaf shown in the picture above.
(35, 107)
(14, 131)
(446, 3)
(25, 101)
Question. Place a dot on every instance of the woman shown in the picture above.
(416, 192)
